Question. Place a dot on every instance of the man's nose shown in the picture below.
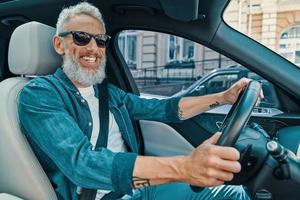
(92, 45)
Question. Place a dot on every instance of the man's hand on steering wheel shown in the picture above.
(231, 94)
(231, 127)
(218, 164)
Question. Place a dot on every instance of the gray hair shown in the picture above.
(81, 8)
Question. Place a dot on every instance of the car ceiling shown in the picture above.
(119, 14)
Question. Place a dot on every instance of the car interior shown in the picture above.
(26, 51)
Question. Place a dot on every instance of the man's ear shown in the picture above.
(58, 45)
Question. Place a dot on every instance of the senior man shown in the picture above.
(59, 114)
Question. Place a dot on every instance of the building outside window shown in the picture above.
(127, 44)
(180, 49)
(291, 39)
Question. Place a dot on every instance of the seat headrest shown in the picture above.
(31, 51)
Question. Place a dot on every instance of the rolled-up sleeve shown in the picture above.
(45, 119)
(163, 110)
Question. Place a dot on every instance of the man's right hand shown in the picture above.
(211, 165)
(208, 165)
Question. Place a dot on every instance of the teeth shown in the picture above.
(90, 59)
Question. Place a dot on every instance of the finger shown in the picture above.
(226, 153)
(257, 102)
(228, 166)
(213, 139)
(220, 174)
(260, 97)
(210, 182)
(261, 94)
(217, 183)
(244, 82)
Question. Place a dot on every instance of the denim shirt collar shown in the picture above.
(60, 74)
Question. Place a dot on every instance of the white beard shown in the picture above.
(84, 76)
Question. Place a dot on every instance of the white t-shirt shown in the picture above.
(115, 141)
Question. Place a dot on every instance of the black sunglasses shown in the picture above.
(82, 38)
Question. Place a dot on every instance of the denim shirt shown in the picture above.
(57, 122)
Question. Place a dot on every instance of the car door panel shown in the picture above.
(162, 140)
(271, 124)
(201, 127)
(192, 131)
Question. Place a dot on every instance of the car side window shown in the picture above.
(220, 83)
(165, 65)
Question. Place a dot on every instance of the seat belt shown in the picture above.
(90, 194)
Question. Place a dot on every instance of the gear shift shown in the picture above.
(289, 164)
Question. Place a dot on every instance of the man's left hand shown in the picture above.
(231, 94)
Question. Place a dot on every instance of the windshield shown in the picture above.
(273, 23)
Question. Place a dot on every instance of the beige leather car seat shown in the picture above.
(30, 53)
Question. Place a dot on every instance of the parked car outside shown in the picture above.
(221, 79)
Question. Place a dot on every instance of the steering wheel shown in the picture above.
(237, 117)
(239, 114)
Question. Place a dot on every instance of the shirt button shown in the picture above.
(77, 93)
(82, 100)
(90, 123)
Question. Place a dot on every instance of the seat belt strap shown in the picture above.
(103, 115)
(90, 194)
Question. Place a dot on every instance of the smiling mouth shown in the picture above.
(89, 59)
